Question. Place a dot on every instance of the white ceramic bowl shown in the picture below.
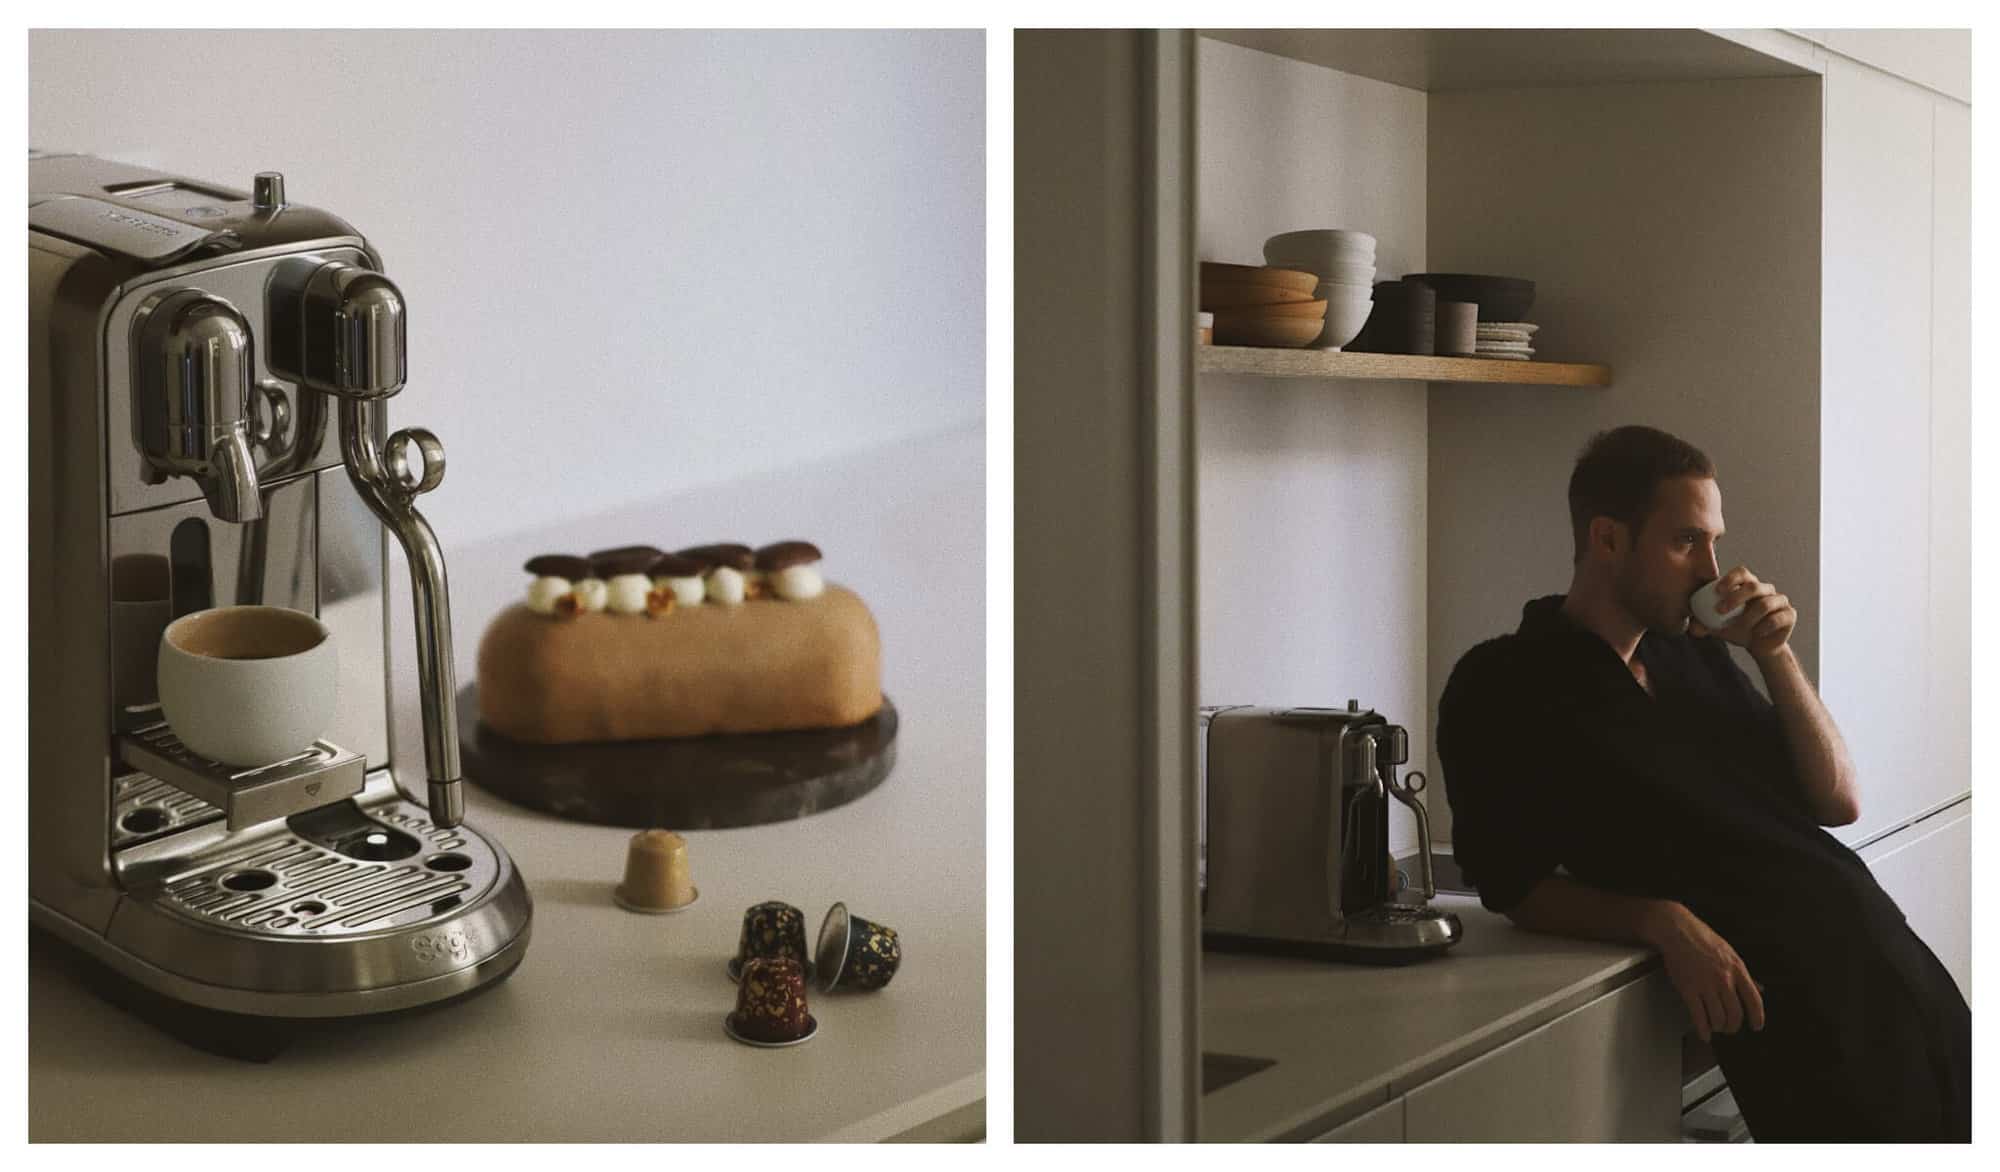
(1345, 273)
(1347, 276)
(1322, 263)
(248, 685)
(1333, 292)
(1331, 240)
(1344, 318)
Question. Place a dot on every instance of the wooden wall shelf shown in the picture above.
(1280, 363)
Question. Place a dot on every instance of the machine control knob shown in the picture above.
(268, 191)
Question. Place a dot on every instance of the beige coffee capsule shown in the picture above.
(656, 874)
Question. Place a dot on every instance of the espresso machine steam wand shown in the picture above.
(341, 330)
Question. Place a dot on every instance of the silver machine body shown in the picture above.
(1296, 851)
(208, 377)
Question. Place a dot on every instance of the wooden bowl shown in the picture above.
(1236, 295)
(1250, 328)
(1312, 309)
(1215, 272)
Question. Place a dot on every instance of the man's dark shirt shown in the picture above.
(1555, 756)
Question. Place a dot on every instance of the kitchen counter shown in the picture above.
(611, 1029)
(1348, 1038)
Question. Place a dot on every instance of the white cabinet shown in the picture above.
(1383, 1125)
(1609, 1071)
(1927, 870)
(1948, 698)
(1880, 609)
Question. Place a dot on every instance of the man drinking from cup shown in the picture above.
(1614, 737)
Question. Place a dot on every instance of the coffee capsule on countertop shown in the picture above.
(855, 953)
(771, 929)
(656, 874)
(771, 1004)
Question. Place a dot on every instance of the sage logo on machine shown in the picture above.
(456, 945)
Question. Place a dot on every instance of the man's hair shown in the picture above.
(1620, 470)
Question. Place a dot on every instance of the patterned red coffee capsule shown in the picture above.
(771, 1004)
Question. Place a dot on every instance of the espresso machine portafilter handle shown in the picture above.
(340, 330)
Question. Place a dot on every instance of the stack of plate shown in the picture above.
(1507, 339)
(1259, 306)
(1344, 261)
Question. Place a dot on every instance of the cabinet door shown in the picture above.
(1383, 1125)
(1876, 473)
(1608, 1071)
(1949, 700)
(1927, 870)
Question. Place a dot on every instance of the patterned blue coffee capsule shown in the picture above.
(855, 953)
(772, 929)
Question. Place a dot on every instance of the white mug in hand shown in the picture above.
(1702, 605)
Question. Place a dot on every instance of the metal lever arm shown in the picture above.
(386, 480)
(1406, 793)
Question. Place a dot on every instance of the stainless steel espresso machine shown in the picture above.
(209, 373)
(1296, 837)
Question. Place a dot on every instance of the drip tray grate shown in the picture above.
(290, 886)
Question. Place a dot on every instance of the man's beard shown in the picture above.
(1657, 613)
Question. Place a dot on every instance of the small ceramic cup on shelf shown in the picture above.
(1457, 329)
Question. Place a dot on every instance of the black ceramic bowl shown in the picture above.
(1498, 298)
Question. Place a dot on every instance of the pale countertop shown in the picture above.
(1348, 1038)
(612, 1027)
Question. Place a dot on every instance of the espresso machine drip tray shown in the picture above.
(144, 808)
(293, 886)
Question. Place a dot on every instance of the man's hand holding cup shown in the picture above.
(1745, 611)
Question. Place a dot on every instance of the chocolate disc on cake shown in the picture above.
(783, 555)
(626, 559)
(558, 565)
(731, 554)
(673, 565)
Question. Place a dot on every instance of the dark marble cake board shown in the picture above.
(689, 783)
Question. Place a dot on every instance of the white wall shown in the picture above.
(1311, 494)
(636, 261)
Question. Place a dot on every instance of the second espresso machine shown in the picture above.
(209, 376)
(1296, 854)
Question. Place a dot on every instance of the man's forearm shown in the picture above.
(1817, 750)
(1561, 906)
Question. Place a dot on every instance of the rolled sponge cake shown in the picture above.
(763, 666)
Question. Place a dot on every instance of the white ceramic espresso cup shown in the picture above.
(1701, 604)
(248, 685)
